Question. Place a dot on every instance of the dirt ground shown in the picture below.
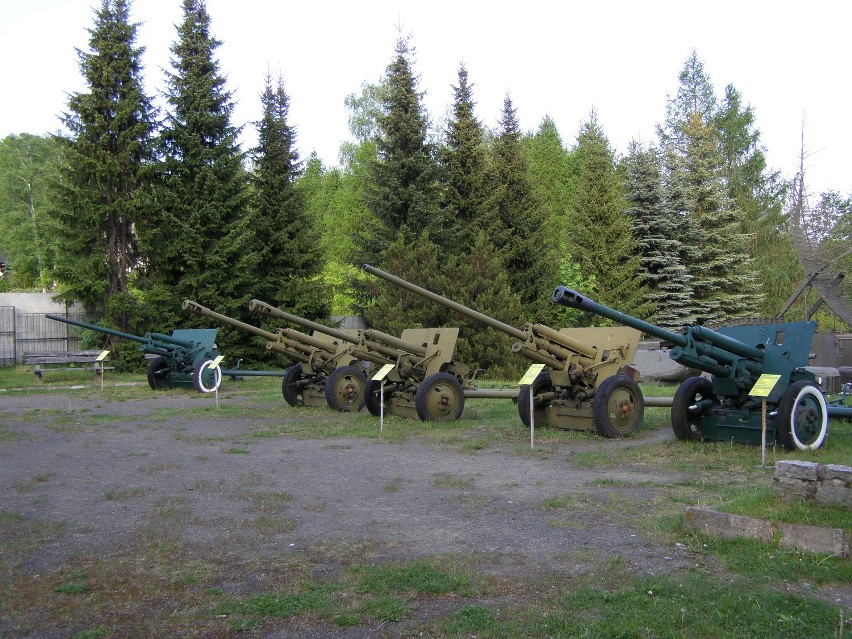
(105, 472)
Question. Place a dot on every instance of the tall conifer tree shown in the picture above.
(402, 192)
(203, 192)
(464, 160)
(667, 280)
(103, 195)
(516, 223)
(603, 242)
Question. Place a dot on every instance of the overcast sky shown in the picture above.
(789, 60)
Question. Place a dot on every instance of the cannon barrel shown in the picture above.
(703, 341)
(395, 342)
(195, 307)
(573, 299)
(150, 337)
(459, 308)
(262, 308)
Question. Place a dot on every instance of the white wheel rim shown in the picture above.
(217, 377)
(809, 390)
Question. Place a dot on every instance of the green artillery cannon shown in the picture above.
(327, 373)
(181, 359)
(425, 382)
(589, 384)
(720, 408)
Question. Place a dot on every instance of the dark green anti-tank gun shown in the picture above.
(589, 382)
(720, 408)
(182, 359)
(425, 381)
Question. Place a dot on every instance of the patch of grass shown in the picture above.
(393, 485)
(447, 480)
(265, 502)
(764, 504)
(236, 451)
(75, 584)
(417, 576)
(273, 525)
(92, 633)
(119, 494)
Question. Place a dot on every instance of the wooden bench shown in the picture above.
(63, 360)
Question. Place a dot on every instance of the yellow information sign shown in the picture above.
(382, 372)
(764, 385)
(102, 356)
(215, 363)
(531, 374)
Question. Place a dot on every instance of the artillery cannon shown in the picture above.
(719, 408)
(180, 359)
(327, 374)
(589, 384)
(425, 382)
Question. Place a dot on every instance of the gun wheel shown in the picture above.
(290, 386)
(541, 384)
(346, 389)
(439, 397)
(618, 407)
(158, 370)
(686, 416)
(205, 378)
(372, 397)
(802, 421)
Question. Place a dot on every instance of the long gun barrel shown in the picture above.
(698, 347)
(262, 308)
(195, 307)
(147, 339)
(459, 308)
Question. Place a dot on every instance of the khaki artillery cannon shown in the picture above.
(183, 358)
(589, 384)
(328, 373)
(720, 408)
(425, 382)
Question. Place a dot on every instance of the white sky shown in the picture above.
(789, 60)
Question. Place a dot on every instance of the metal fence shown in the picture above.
(33, 333)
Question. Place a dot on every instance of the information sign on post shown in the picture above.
(213, 366)
(100, 360)
(528, 379)
(380, 377)
(762, 387)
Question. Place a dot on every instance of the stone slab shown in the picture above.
(794, 469)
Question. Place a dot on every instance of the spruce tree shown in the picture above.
(402, 192)
(603, 243)
(103, 195)
(667, 281)
(760, 195)
(286, 253)
(464, 161)
(724, 282)
(516, 223)
(203, 191)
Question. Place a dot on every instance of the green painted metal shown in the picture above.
(736, 357)
(179, 360)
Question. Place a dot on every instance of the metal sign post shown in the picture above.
(529, 378)
(380, 377)
(100, 360)
(762, 387)
(213, 366)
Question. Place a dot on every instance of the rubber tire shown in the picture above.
(685, 426)
(201, 371)
(803, 404)
(348, 376)
(604, 408)
(158, 370)
(541, 382)
(439, 389)
(372, 399)
(292, 395)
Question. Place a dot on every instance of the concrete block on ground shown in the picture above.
(716, 524)
(793, 488)
(832, 541)
(833, 493)
(836, 472)
(794, 469)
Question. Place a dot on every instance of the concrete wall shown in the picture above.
(35, 303)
